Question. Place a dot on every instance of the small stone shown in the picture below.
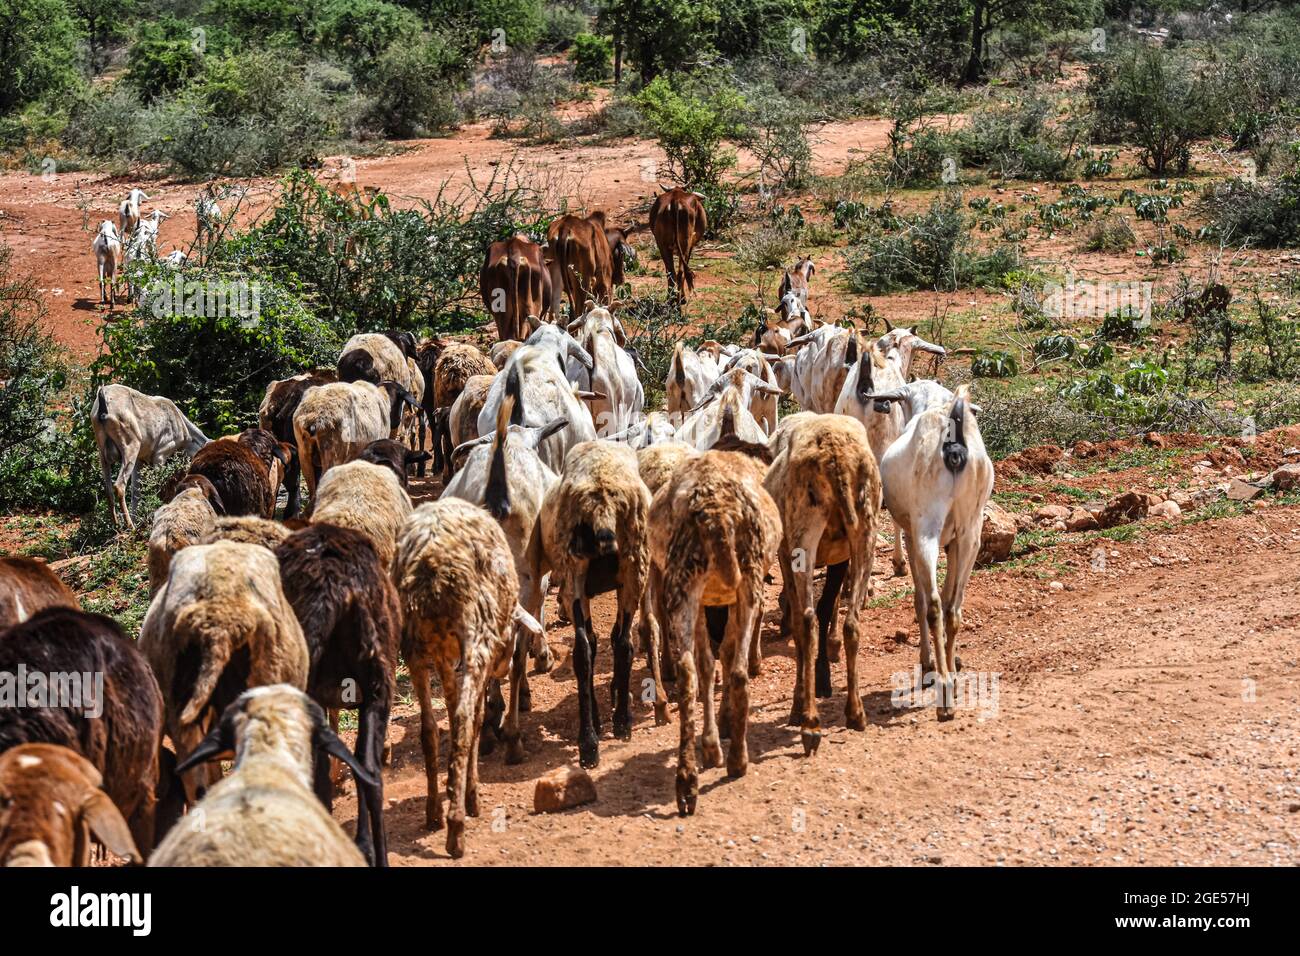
(1166, 509)
(1081, 519)
(1050, 514)
(997, 536)
(1239, 490)
(1285, 478)
(563, 789)
(1056, 586)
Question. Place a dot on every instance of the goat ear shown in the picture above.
(619, 335)
(218, 743)
(329, 742)
(214, 499)
(549, 429)
(105, 822)
(415, 457)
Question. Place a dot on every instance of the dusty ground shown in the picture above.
(1146, 706)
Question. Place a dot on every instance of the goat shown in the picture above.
(462, 418)
(592, 532)
(458, 590)
(275, 415)
(456, 365)
(763, 402)
(334, 423)
(825, 482)
(690, 373)
(28, 586)
(346, 603)
(219, 625)
(245, 470)
(107, 247)
(793, 291)
(262, 532)
(506, 476)
(128, 212)
(378, 357)
(393, 455)
(613, 372)
(725, 410)
(115, 722)
(265, 813)
(132, 427)
(51, 803)
(365, 497)
(714, 532)
(822, 360)
(937, 479)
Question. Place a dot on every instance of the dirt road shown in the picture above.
(1145, 713)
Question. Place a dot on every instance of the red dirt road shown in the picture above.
(1147, 713)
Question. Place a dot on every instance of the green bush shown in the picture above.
(1265, 213)
(690, 127)
(592, 58)
(1016, 140)
(263, 19)
(413, 82)
(520, 21)
(994, 364)
(776, 132)
(211, 340)
(1110, 234)
(360, 31)
(164, 57)
(1156, 100)
(763, 28)
(561, 27)
(39, 54)
(661, 36)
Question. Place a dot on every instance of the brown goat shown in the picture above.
(714, 532)
(825, 479)
(51, 804)
(245, 470)
(678, 221)
(276, 416)
(27, 586)
(589, 256)
(457, 363)
(123, 740)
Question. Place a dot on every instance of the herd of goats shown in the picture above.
(260, 630)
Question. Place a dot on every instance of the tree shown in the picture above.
(38, 50)
(104, 23)
(360, 30)
(983, 16)
(658, 33)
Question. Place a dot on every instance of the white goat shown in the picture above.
(107, 247)
(131, 427)
(613, 372)
(690, 373)
(128, 212)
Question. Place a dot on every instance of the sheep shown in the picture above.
(462, 418)
(457, 363)
(104, 704)
(346, 603)
(882, 368)
(186, 519)
(28, 586)
(762, 403)
(132, 427)
(393, 455)
(333, 423)
(726, 411)
(690, 373)
(506, 476)
(592, 532)
(714, 532)
(535, 378)
(107, 247)
(937, 479)
(458, 591)
(50, 802)
(128, 212)
(219, 625)
(275, 415)
(365, 497)
(265, 813)
(613, 373)
(245, 470)
(246, 529)
(825, 482)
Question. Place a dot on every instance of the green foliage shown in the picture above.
(1123, 325)
(1056, 346)
(360, 31)
(1017, 140)
(690, 126)
(994, 364)
(1111, 234)
(561, 27)
(763, 28)
(29, 364)
(519, 20)
(213, 355)
(1152, 98)
(1263, 213)
(413, 81)
(104, 23)
(661, 35)
(38, 51)
(592, 58)
(163, 58)
(262, 19)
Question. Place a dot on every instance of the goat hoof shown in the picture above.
(711, 754)
(589, 754)
(486, 744)
(855, 720)
(623, 729)
(945, 714)
(737, 763)
(688, 793)
(661, 715)
(545, 662)
(456, 839)
(811, 739)
(515, 752)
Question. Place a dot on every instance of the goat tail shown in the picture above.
(721, 552)
(514, 393)
(847, 490)
(497, 492)
(679, 367)
(214, 642)
(681, 237)
(101, 405)
(954, 449)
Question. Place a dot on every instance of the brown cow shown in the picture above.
(678, 222)
(515, 283)
(589, 256)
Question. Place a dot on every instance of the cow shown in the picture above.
(589, 256)
(678, 222)
(515, 282)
